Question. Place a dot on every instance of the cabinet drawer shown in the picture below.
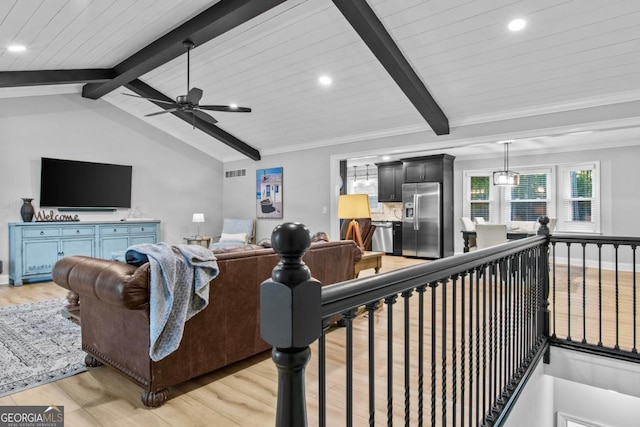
(114, 230)
(40, 232)
(78, 231)
(142, 229)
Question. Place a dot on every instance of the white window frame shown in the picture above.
(564, 199)
(494, 203)
(505, 211)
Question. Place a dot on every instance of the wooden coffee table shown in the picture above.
(369, 260)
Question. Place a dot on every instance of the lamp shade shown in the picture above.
(198, 217)
(353, 206)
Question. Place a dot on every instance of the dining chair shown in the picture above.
(490, 235)
(479, 220)
(467, 224)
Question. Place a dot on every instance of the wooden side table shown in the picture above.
(369, 260)
(198, 240)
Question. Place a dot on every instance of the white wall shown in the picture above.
(171, 180)
(309, 182)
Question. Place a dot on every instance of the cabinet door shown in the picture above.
(77, 247)
(109, 245)
(432, 170)
(399, 180)
(38, 257)
(413, 172)
(386, 183)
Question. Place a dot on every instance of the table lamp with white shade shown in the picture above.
(198, 218)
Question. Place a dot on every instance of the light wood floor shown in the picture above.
(244, 394)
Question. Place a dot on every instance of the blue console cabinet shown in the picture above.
(34, 247)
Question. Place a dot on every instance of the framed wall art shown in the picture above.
(269, 193)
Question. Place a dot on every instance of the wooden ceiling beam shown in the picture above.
(141, 88)
(216, 20)
(365, 22)
(54, 77)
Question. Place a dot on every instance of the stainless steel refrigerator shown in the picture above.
(421, 220)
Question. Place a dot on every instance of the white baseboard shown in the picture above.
(4, 279)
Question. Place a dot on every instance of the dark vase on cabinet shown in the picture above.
(390, 180)
(26, 210)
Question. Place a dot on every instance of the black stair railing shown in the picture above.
(449, 342)
(594, 294)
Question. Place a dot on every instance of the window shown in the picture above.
(528, 201)
(580, 207)
(531, 199)
(479, 196)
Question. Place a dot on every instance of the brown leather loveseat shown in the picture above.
(114, 310)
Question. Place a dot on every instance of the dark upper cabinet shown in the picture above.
(390, 180)
(427, 169)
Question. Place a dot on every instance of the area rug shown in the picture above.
(37, 346)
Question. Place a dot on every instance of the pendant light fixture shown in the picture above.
(506, 177)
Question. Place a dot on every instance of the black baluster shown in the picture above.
(599, 294)
(390, 300)
(484, 273)
(420, 290)
(348, 316)
(617, 346)
(568, 291)
(444, 352)
(322, 376)
(584, 293)
(633, 251)
(433, 287)
(463, 361)
(454, 358)
(371, 307)
(407, 377)
(553, 245)
(489, 271)
(471, 280)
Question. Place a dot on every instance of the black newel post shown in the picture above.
(290, 319)
(543, 276)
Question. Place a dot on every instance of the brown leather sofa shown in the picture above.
(114, 311)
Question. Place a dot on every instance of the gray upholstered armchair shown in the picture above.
(235, 232)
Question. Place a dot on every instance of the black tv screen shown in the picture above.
(75, 184)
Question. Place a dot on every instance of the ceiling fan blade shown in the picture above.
(194, 96)
(171, 110)
(149, 99)
(204, 116)
(226, 108)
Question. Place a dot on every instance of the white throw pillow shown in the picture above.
(234, 237)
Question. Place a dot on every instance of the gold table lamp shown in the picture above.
(353, 206)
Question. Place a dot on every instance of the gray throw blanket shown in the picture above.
(179, 289)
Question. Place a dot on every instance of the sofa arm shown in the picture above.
(112, 282)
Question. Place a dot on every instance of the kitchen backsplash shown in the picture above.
(390, 212)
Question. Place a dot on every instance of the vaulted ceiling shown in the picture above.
(571, 55)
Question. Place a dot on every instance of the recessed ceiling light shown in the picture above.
(386, 157)
(325, 80)
(234, 106)
(517, 24)
(16, 48)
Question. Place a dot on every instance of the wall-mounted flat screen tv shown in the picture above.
(85, 185)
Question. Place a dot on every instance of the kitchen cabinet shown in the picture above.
(427, 169)
(390, 180)
(34, 247)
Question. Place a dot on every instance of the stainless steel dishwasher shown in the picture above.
(382, 237)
